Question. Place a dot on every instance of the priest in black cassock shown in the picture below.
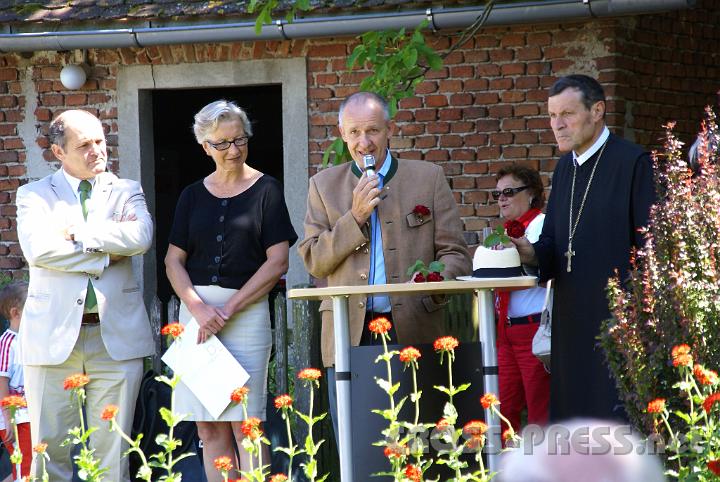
(602, 190)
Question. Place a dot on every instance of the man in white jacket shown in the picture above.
(78, 229)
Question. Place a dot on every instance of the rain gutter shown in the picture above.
(531, 12)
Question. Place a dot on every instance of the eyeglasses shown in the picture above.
(507, 192)
(225, 145)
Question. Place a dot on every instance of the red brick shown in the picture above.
(514, 152)
(503, 83)
(436, 101)
(8, 156)
(475, 196)
(538, 68)
(425, 142)
(8, 74)
(475, 168)
(526, 110)
(461, 126)
(333, 50)
(10, 263)
(436, 155)
(462, 71)
(485, 41)
(422, 115)
(560, 66)
(438, 128)
(463, 183)
(512, 40)
(500, 111)
(539, 39)
(13, 143)
(488, 70)
(476, 140)
(450, 114)
(451, 86)
(16, 171)
(437, 74)
(75, 99)
(461, 99)
(501, 55)
(492, 152)
(451, 141)
(501, 138)
(513, 96)
(463, 155)
(319, 93)
(326, 79)
(474, 112)
(7, 130)
(463, 210)
(487, 210)
(513, 69)
(541, 151)
(412, 129)
(426, 87)
(486, 98)
(475, 84)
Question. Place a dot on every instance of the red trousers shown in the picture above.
(522, 377)
(25, 448)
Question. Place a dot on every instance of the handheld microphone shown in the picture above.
(369, 162)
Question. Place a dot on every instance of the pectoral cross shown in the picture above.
(569, 254)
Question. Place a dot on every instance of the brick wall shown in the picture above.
(484, 109)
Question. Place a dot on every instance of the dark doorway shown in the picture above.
(180, 160)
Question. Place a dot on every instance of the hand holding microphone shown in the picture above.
(366, 193)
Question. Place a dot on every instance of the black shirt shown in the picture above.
(226, 238)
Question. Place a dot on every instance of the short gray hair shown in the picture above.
(358, 97)
(207, 120)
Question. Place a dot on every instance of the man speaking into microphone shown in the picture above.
(369, 220)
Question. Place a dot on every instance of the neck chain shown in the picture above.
(572, 227)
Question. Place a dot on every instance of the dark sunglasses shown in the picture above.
(507, 192)
(225, 145)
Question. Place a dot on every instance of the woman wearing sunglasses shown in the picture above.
(228, 248)
(523, 379)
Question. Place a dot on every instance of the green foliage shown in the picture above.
(419, 267)
(264, 16)
(497, 236)
(672, 295)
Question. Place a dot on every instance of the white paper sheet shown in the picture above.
(209, 370)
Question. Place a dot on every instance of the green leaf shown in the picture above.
(418, 266)
(491, 240)
(436, 266)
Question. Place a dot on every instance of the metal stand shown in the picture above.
(342, 382)
(486, 320)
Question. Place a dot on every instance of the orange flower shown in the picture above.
(475, 428)
(309, 374)
(278, 478)
(475, 443)
(283, 401)
(714, 466)
(409, 354)
(413, 473)
(488, 400)
(251, 428)
(223, 464)
(681, 356)
(239, 395)
(442, 424)
(109, 412)
(76, 381)
(395, 451)
(445, 343)
(508, 434)
(380, 326)
(40, 448)
(704, 376)
(15, 401)
(656, 406)
(710, 401)
(173, 329)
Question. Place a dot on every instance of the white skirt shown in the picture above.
(247, 336)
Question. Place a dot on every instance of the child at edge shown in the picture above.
(12, 300)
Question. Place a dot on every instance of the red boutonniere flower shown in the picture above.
(515, 229)
(419, 211)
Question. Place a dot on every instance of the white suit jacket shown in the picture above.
(59, 269)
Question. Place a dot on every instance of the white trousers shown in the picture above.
(52, 413)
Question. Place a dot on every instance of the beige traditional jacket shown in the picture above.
(336, 248)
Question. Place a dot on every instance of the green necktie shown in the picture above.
(84, 188)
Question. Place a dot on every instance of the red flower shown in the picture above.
(15, 401)
(435, 276)
(223, 464)
(173, 329)
(508, 434)
(704, 376)
(409, 354)
(109, 412)
(251, 428)
(413, 473)
(710, 401)
(475, 428)
(445, 343)
(283, 401)
(475, 443)
(656, 406)
(309, 374)
(239, 395)
(421, 210)
(419, 278)
(488, 400)
(395, 451)
(380, 326)
(681, 356)
(76, 381)
(714, 466)
(515, 229)
(278, 478)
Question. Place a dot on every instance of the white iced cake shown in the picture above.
(496, 263)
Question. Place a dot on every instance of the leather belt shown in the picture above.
(524, 320)
(90, 319)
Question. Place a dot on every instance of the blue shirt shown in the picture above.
(381, 303)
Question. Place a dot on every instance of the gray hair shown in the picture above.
(207, 120)
(56, 132)
(358, 97)
(581, 449)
